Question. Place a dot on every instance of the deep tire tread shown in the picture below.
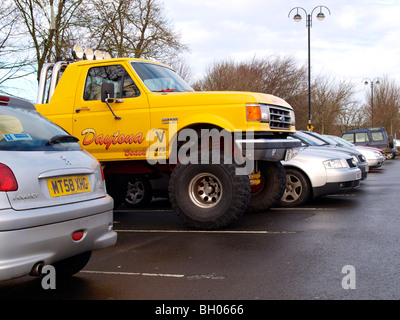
(238, 205)
(273, 189)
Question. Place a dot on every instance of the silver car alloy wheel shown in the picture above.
(294, 188)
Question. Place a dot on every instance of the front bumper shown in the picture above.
(364, 169)
(375, 163)
(339, 181)
(268, 149)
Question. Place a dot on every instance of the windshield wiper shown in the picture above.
(61, 139)
(166, 90)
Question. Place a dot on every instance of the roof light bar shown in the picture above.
(98, 55)
(87, 54)
(77, 52)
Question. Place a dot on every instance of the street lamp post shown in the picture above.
(368, 81)
(297, 18)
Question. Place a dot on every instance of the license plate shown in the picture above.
(63, 186)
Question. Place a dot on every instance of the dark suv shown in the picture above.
(373, 137)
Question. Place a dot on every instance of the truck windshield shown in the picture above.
(158, 78)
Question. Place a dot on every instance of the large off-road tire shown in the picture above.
(208, 196)
(270, 190)
(298, 189)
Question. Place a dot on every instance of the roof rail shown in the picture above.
(55, 69)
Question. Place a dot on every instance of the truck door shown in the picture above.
(100, 133)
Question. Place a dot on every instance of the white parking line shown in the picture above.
(343, 195)
(206, 231)
(303, 209)
(212, 276)
(135, 274)
(272, 209)
(142, 210)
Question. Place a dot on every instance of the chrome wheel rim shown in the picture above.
(135, 192)
(205, 190)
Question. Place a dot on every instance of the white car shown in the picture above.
(314, 172)
(54, 209)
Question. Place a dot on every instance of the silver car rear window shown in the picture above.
(23, 129)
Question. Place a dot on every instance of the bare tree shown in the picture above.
(136, 28)
(12, 64)
(131, 28)
(273, 75)
(48, 24)
(328, 100)
(351, 116)
(282, 77)
(386, 105)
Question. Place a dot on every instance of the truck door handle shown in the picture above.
(80, 109)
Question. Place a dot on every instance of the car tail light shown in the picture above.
(7, 179)
(4, 101)
(77, 235)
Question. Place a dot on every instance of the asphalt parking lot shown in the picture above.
(338, 247)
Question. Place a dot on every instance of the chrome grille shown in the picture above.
(279, 118)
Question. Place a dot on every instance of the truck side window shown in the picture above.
(362, 137)
(124, 87)
(348, 137)
(377, 136)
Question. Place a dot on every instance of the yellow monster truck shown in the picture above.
(219, 152)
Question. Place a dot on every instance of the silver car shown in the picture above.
(54, 209)
(316, 172)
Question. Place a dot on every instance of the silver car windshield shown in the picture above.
(343, 142)
(158, 78)
(23, 129)
(308, 139)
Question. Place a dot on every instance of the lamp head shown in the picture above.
(320, 16)
(297, 17)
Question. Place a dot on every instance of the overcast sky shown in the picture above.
(358, 39)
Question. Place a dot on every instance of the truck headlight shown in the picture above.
(256, 112)
(292, 118)
(277, 116)
(335, 164)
